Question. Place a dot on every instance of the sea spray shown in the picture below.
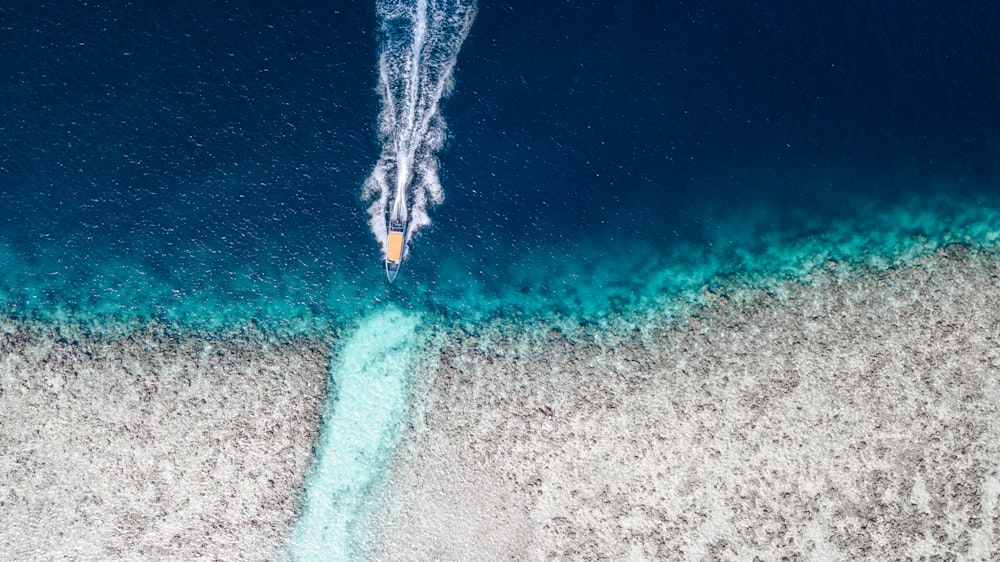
(419, 45)
(359, 433)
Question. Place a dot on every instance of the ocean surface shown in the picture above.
(203, 164)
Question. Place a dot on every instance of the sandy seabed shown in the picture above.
(851, 416)
(152, 446)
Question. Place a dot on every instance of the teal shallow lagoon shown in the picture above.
(581, 281)
(361, 422)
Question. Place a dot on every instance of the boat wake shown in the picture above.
(419, 43)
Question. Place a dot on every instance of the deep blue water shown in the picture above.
(203, 163)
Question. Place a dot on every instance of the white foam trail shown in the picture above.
(419, 47)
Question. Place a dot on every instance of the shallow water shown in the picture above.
(361, 423)
(203, 166)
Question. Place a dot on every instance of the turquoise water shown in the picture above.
(361, 424)
(218, 168)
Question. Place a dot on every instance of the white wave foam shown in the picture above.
(419, 48)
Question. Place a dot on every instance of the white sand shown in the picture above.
(150, 447)
(856, 417)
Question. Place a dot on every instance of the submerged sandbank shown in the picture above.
(854, 415)
(153, 446)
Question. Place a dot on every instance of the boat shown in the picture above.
(394, 250)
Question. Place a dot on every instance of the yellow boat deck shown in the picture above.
(395, 250)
